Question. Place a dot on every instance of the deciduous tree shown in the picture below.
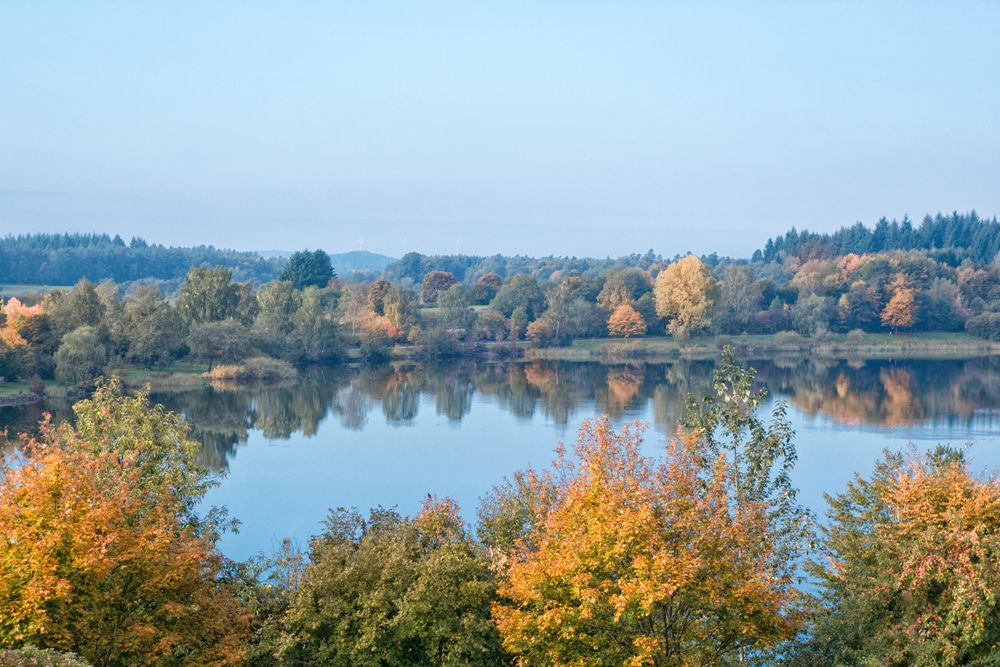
(910, 567)
(100, 551)
(434, 284)
(684, 293)
(626, 321)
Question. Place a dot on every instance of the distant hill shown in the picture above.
(359, 261)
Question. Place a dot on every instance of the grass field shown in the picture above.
(7, 291)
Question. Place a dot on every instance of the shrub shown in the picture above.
(29, 656)
(255, 368)
(985, 326)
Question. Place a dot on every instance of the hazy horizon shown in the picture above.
(567, 129)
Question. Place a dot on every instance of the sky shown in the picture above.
(566, 128)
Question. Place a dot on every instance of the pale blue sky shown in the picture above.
(533, 127)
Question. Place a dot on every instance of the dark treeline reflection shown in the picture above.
(955, 393)
(961, 393)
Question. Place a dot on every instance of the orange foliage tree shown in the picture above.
(634, 561)
(101, 553)
(911, 568)
(626, 322)
(900, 311)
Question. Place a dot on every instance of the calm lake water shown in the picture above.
(390, 436)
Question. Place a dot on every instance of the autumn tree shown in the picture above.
(308, 269)
(626, 322)
(623, 288)
(684, 292)
(387, 590)
(102, 551)
(738, 299)
(910, 567)
(900, 310)
(618, 558)
(377, 292)
(435, 283)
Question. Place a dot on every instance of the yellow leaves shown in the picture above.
(638, 549)
(93, 555)
(684, 292)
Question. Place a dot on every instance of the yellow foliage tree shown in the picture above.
(630, 561)
(684, 292)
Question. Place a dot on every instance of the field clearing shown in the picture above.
(28, 290)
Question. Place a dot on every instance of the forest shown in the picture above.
(701, 554)
(893, 278)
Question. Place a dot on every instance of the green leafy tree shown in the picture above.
(518, 323)
(208, 295)
(277, 302)
(151, 328)
(225, 341)
(308, 269)
(81, 357)
(386, 590)
(523, 292)
(812, 313)
(80, 306)
(315, 330)
(455, 310)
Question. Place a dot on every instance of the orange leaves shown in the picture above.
(914, 564)
(97, 558)
(639, 561)
(626, 321)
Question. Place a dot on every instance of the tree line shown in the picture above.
(64, 259)
(700, 554)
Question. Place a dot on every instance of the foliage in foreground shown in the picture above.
(609, 557)
(613, 557)
(912, 567)
(101, 552)
(386, 590)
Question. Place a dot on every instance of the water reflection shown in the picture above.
(953, 393)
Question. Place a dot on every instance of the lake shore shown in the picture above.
(840, 346)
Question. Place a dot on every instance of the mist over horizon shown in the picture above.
(588, 130)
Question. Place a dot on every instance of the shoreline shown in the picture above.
(838, 346)
(590, 350)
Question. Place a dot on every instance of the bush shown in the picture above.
(787, 339)
(855, 336)
(255, 368)
(985, 326)
(35, 385)
(29, 656)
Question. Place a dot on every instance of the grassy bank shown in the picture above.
(868, 346)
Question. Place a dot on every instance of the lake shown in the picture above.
(391, 436)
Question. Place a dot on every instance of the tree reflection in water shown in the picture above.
(955, 393)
